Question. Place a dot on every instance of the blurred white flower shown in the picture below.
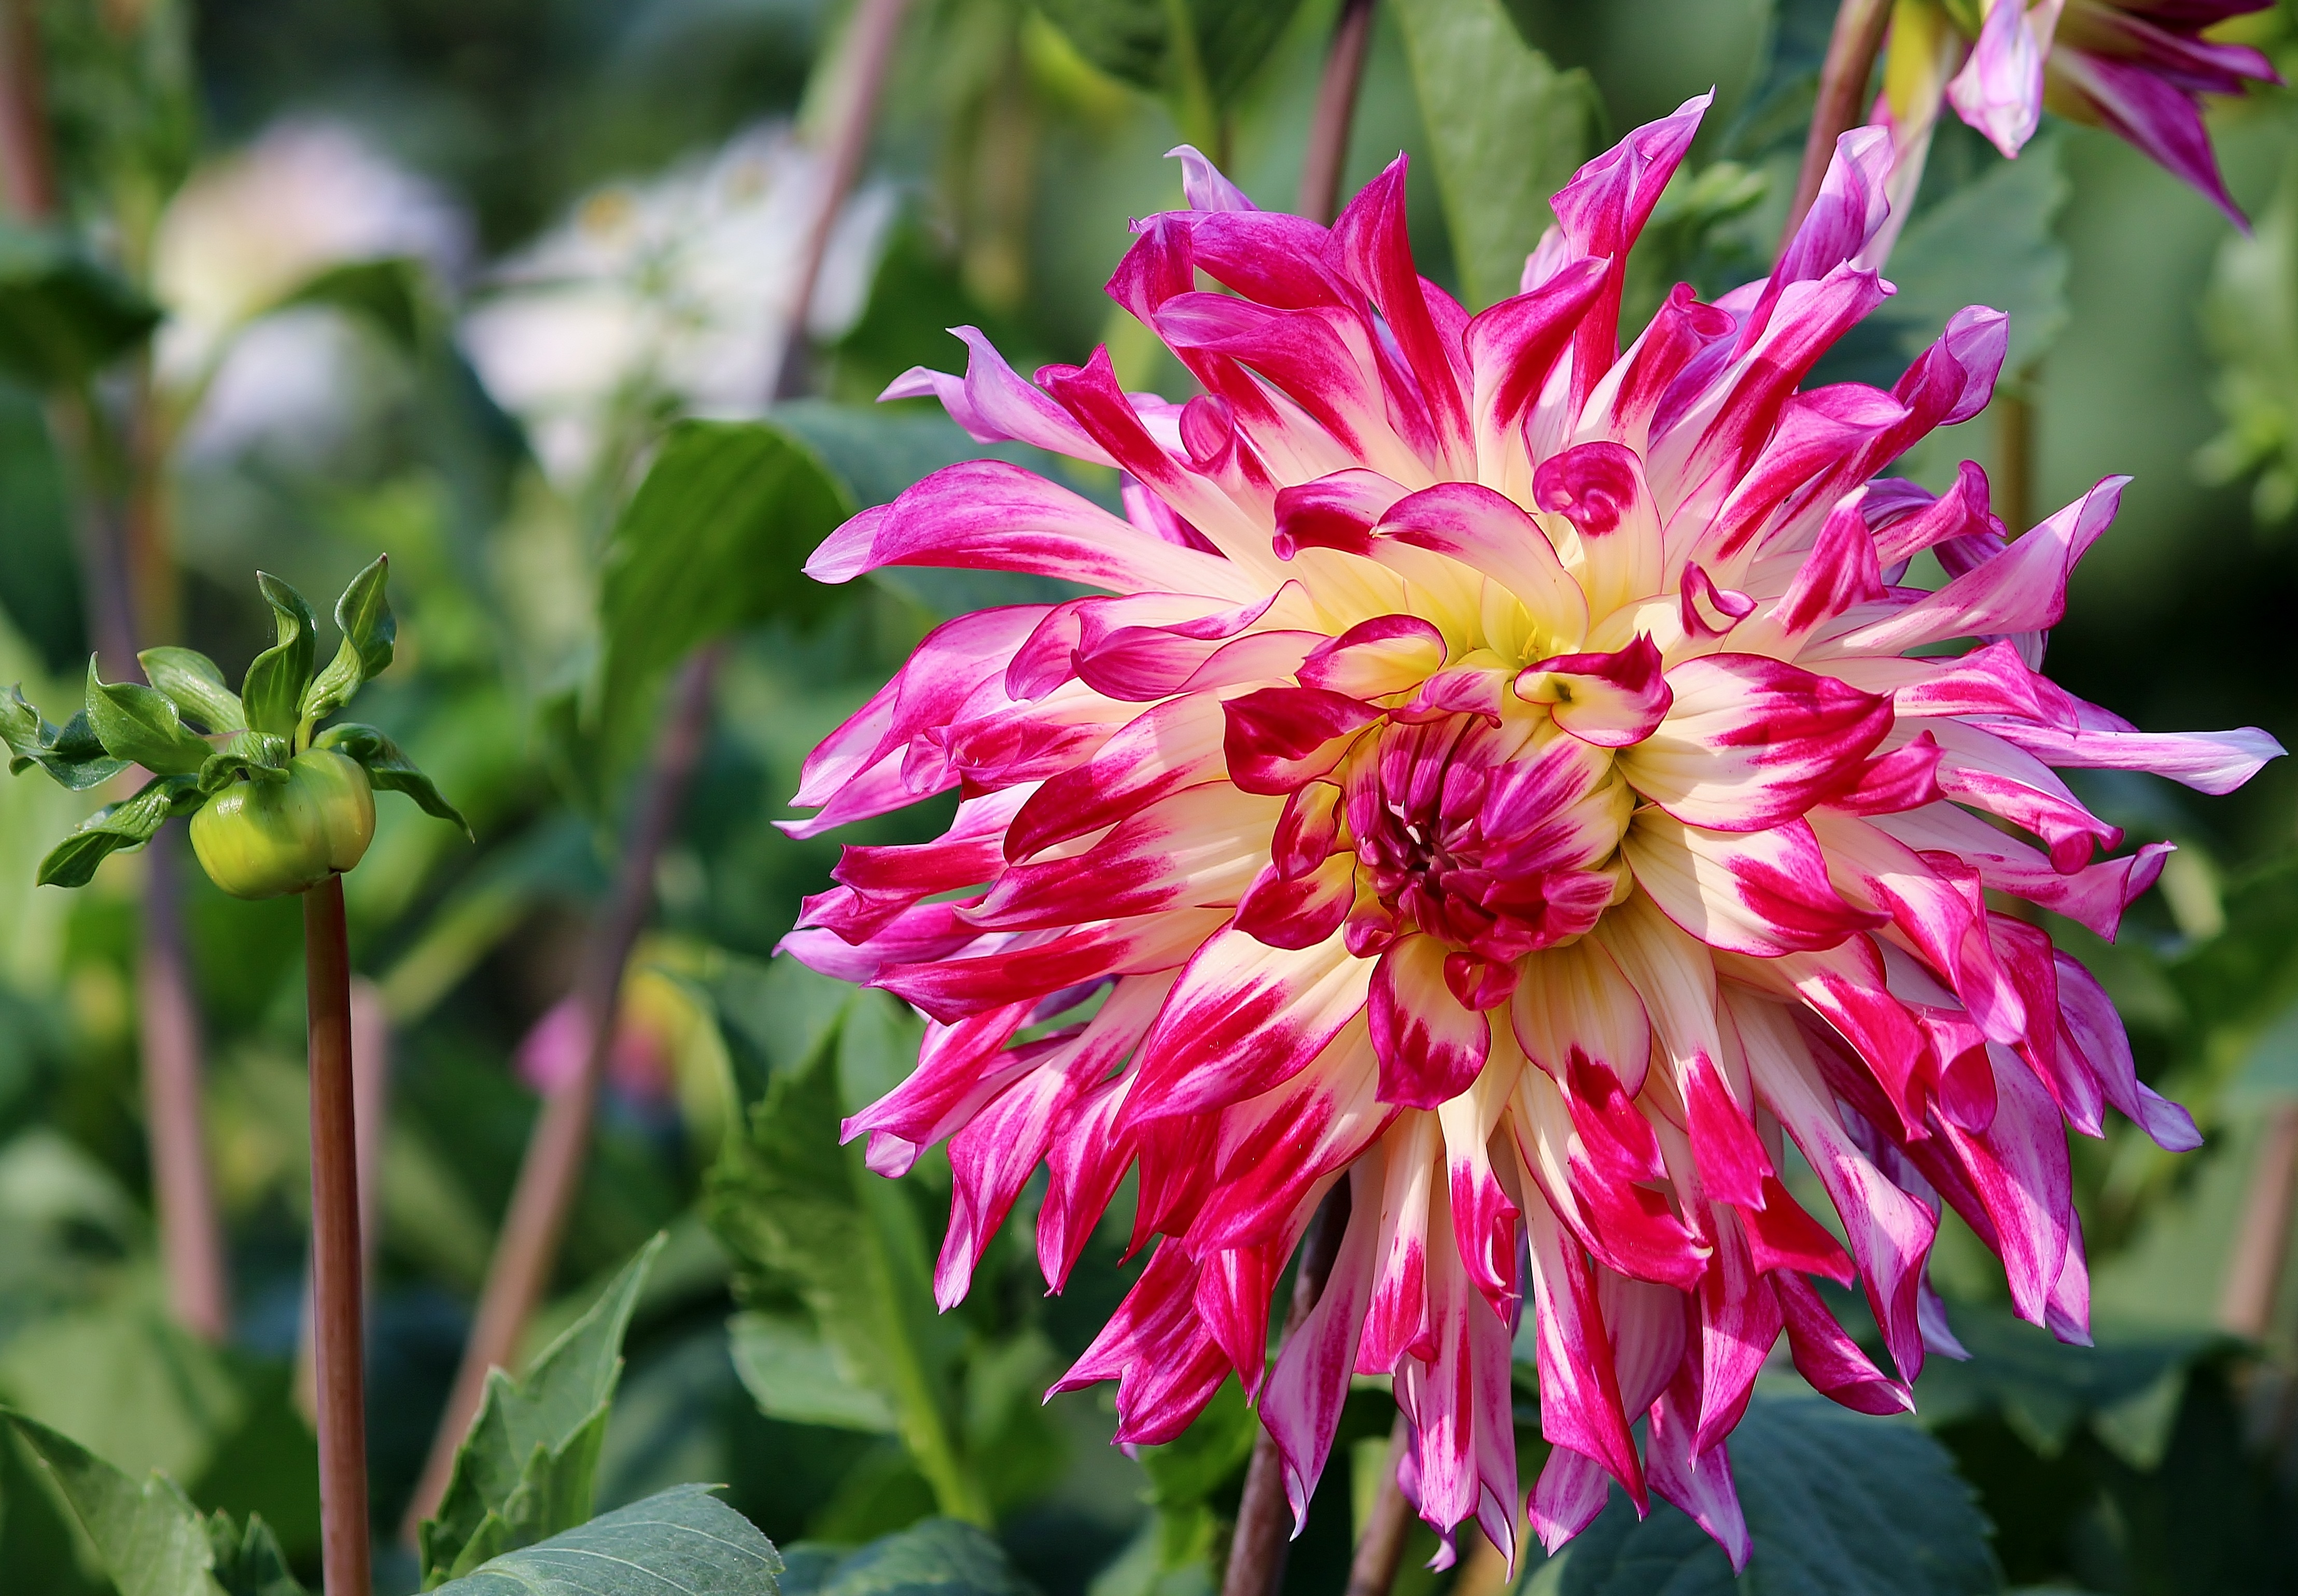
(248, 231)
(676, 291)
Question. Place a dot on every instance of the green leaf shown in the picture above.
(1506, 129)
(151, 1538)
(1838, 1504)
(528, 1464)
(682, 1542)
(72, 756)
(62, 317)
(273, 690)
(792, 1373)
(251, 755)
(388, 768)
(806, 1221)
(1200, 53)
(1991, 243)
(196, 686)
(249, 1562)
(2251, 317)
(390, 293)
(716, 540)
(140, 725)
(939, 1557)
(369, 631)
(129, 823)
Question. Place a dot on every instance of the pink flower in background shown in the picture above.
(2138, 68)
(550, 1054)
(1503, 778)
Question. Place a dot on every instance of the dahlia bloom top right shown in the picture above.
(2138, 68)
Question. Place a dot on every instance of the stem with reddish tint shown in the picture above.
(191, 1235)
(2253, 1277)
(1380, 1549)
(337, 1326)
(1336, 109)
(1852, 47)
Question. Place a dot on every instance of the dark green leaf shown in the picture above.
(72, 756)
(716, 538)
(194, 684)
(62, 317)
(140, 725)
(150, 1536)
(273, 692)
(792, 1374)
(527, 1467)
(1189, 50)
(388, 768)
(391, 294)
(1989, 242)
(251, 755)
(682, 1542)
(249, 1562)
(1506, 130)
(370, 630)
(1838, 1504)
(940, 1556)
(127, 824)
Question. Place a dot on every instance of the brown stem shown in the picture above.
(335, 1285)
(370, 1101)
(1336, 109)
(868, 53)
(191, 1236)
(1381, 1547)
(1256, 1551)
(28, 170)
(2253, 1277)
(1851, 51)
(527, 1249)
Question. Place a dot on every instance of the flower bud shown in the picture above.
(258, 839)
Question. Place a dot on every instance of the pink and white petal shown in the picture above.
(1166, 1364)
(1750, 742)
(1269, 1152)
(1388, 653)
(1301, 1407)
(1598, 489)
(1431, 1046)
(2000, 89)
(1198, 849)
(1491, 534)
(1760, 892)
(1578, 1387)
(993, 405)
(1572, 999)
(1829, 1359)
(1301, 911)
(1034, 964)
(1171, 747)
(2093, 1028)
(1699, 1483)
(1278, 739)
(1609, 700)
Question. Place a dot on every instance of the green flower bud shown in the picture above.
(258, 839)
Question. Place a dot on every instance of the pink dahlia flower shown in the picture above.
(2136, 67)
(1504, 777)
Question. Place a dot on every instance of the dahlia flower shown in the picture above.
(1508, 778)
(2138, 68)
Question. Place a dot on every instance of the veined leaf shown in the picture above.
(528, 1464)
(129, 823)
(152, 1539)
(388, 768)
(194, 684)
(940, 1556)
(72, 755)
(1506, 129)
(256, 755)
(684, 1542)
(716, 538)
(369, 631)
(273, 691)
(793, 1375)
(806, 1220)
(140, 725)
(62, 317)
(1837, 1504)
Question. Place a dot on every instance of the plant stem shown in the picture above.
(370, 1104)
(190, 1237)
(1336, 109)
(1256, 1551)
(338, 1356)
(1851, 50)
(2253, 1277)
(1381, 1547)
(27, 170)
(551, 1173)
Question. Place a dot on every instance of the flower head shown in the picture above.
(1498, 777)
(2138, 68)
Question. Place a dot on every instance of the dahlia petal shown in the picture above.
(1272, 1151)
(1841, 571)
(1629, 1228)
(1370, 238)
(1697, 1482)
(2018, 1167)
(2095, 1030)
(1278, 739)
(1781, 1237)
(1245, 1017)
(1203, 184)
(1732, 1163)
(1482, 529)
(1761, 892)
(1750, 743)
(1513, 348)
(987, 516)
(2208, 761)
(1399, 1321)
(1962, 511)
(1431, 1045)
(1301, 1407)
(993, 405)
(1573, 1001)
(2000, 89)
(1829, 1359)
(1301, 911)
(1165, 749)
(2160, 118)
(1905, 779)
(951, 989)
(1483, 1216)
(1388, 653)
(1579, 1391)
(1166, 1364)
(1608, 700)
(1851, 208)
(1568, 1496)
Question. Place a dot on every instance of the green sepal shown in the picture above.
(255, 755)
(388, 768)
(194, 684)
(369, 631)
(129, 823)
(72, 756)
(140, 725)
(273, 693)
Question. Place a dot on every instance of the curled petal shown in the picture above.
(1610, 700)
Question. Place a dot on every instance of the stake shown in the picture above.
(1336, 109)
(2253, 1277)
(527, 1248)
(1256, 1551)
(1851, 51)
(1380, 1549)
(336, 1265)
